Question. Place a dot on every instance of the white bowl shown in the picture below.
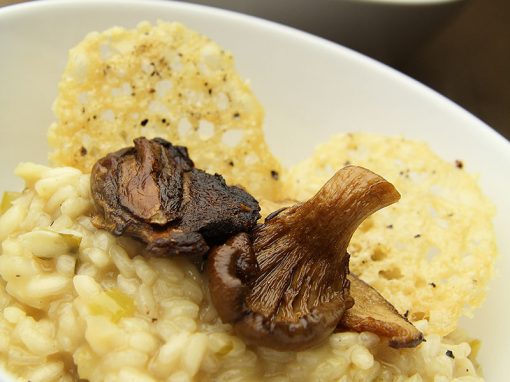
(309, 86)
(387, 30)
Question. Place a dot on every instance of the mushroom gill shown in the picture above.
(287, 284)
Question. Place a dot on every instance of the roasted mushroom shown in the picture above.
(286, 286)
(154, 193)
(373, 313)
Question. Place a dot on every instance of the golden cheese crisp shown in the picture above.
(432, 253)
(161, 81)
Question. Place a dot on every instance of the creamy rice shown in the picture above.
(78, 302)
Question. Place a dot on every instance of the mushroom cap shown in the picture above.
(153, 192)
(300, 291)
(230, 268)
(373, 313)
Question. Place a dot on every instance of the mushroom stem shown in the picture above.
(329, 219)
(310, 240)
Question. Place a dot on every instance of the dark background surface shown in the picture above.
(467, 59)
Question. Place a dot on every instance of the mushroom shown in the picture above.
(373, 313)
(154, 193)
(286, 285)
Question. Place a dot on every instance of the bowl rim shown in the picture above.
(496, 138)
(477, 126)
(361, 59)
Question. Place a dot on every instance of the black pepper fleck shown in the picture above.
(389, 226)
(163, 120)
(417, 236)
(406, 314)
(459, 164)
(449, 353)
(231, 163)
(83, 151)
(275, 175)
(144, 122)
(433, 285)
(236, 115)
(18, 275)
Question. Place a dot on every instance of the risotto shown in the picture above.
(80, 303)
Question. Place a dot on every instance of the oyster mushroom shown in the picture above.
(373, 313)
(286, 286)
(153, 192)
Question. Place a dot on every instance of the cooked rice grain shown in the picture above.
(122, 317)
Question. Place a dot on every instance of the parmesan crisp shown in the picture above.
(161, 81)
(431, 254)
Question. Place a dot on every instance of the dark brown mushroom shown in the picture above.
(154, 193)
(287, 287)
(373, 313)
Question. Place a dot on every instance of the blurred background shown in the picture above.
(460, 48)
